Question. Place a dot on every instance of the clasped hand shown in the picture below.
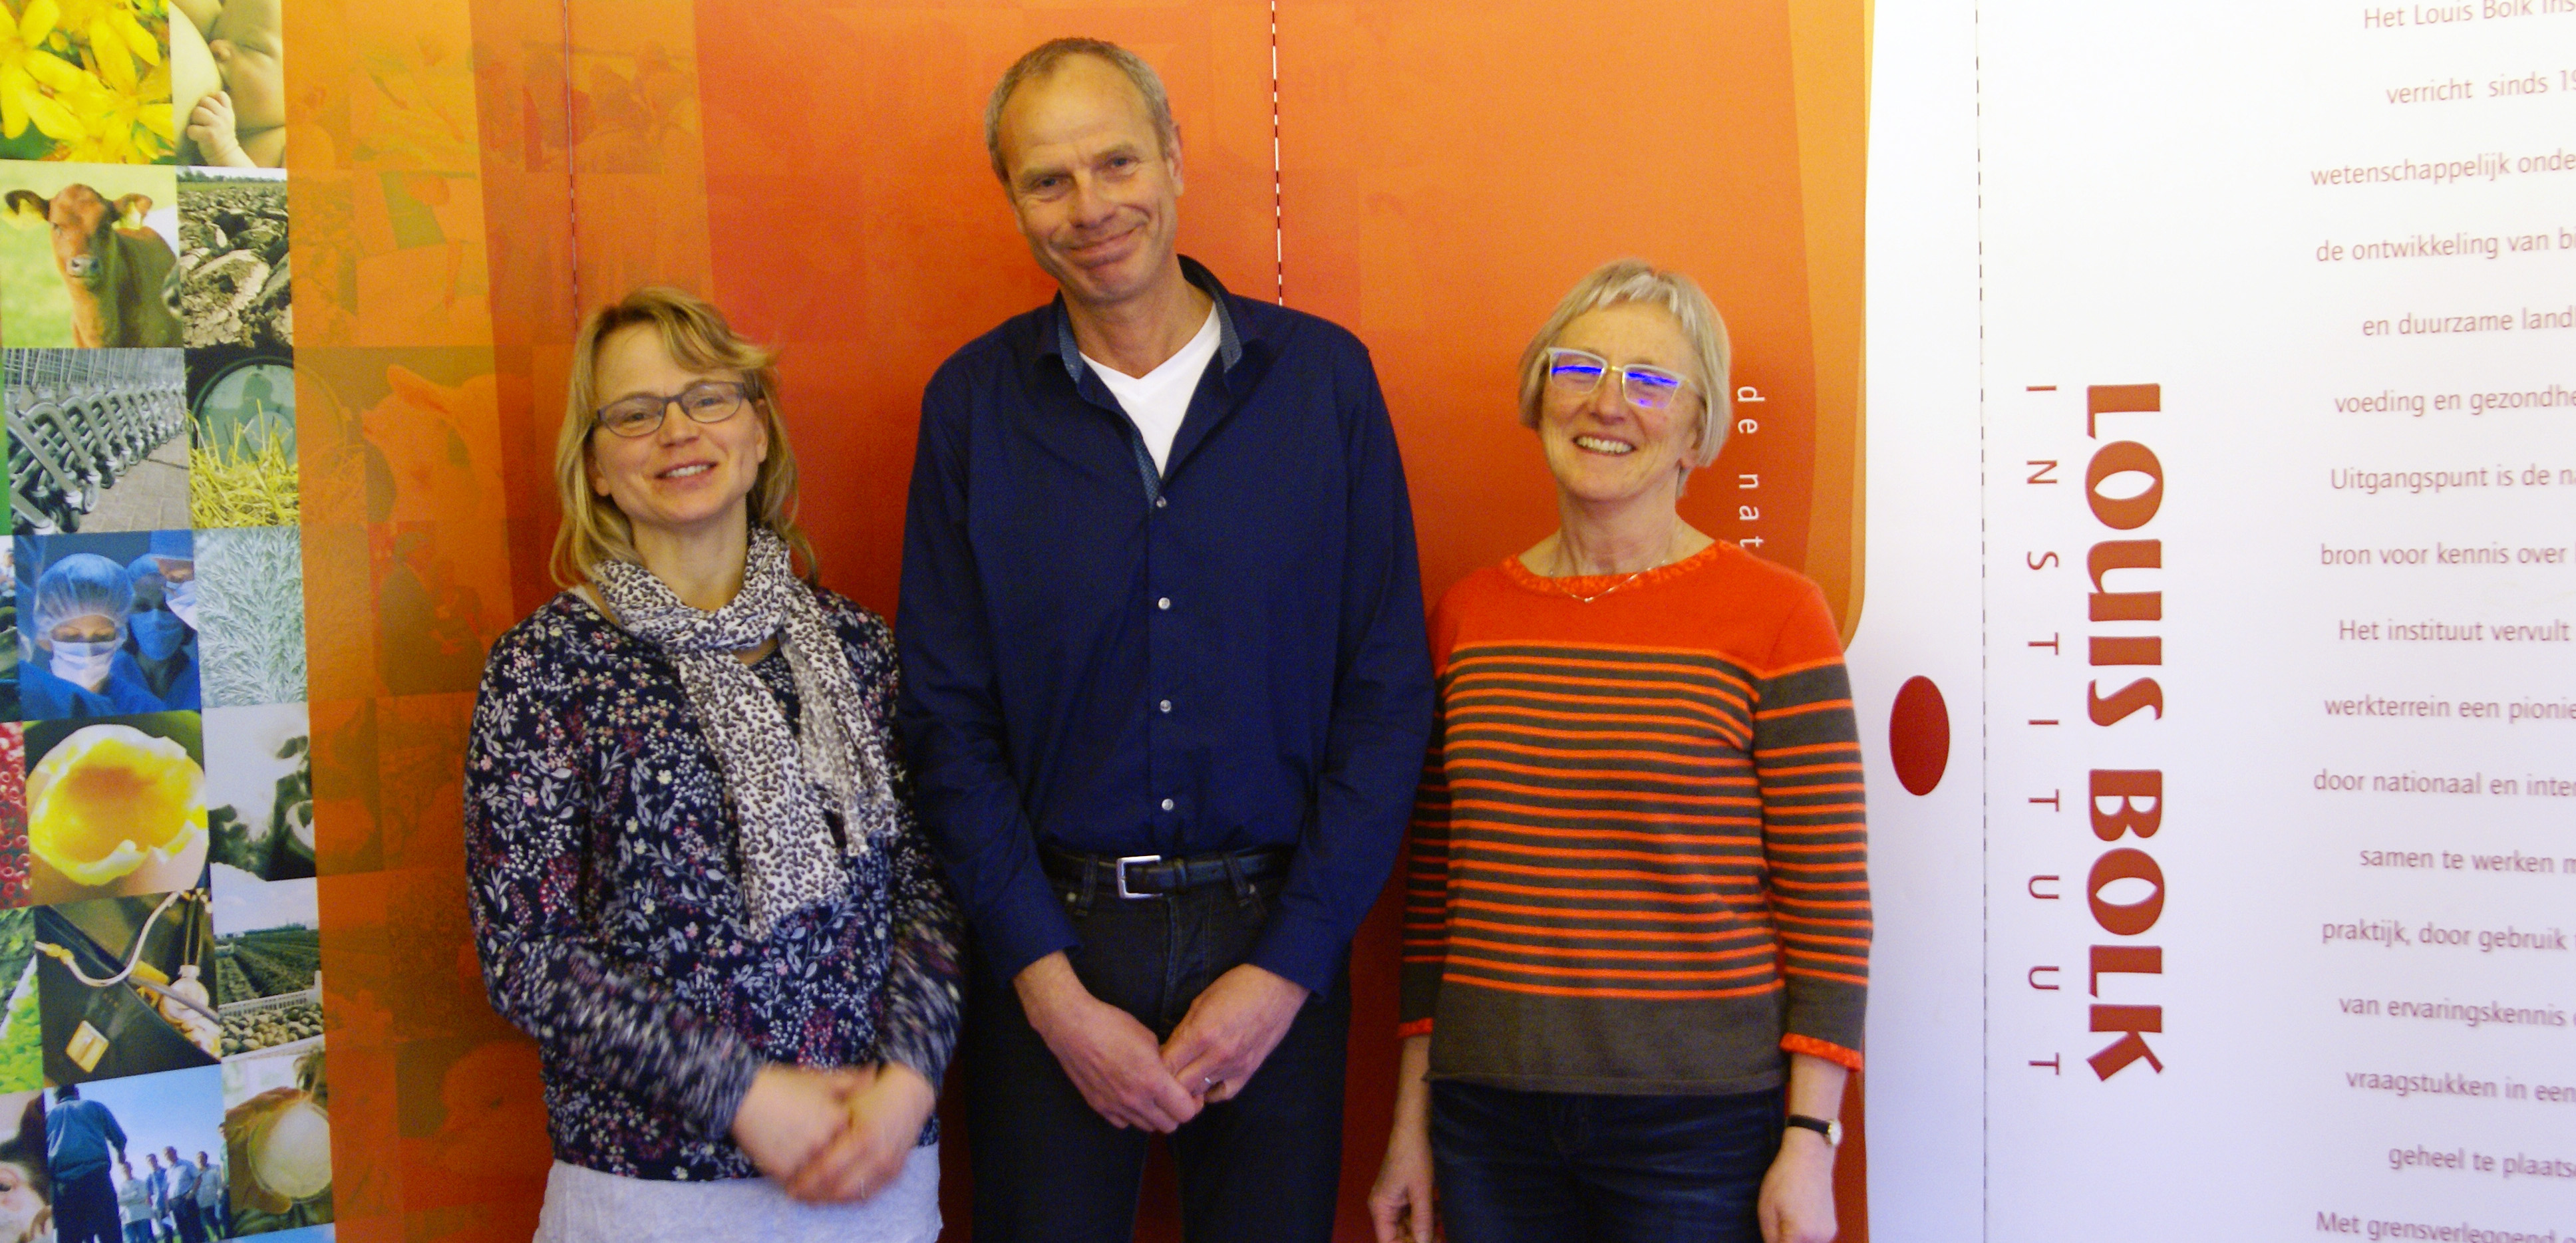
(1128, 1077)
(833, 1135)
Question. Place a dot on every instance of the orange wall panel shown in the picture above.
(1443, 174)
(855, 220)
(1448, 176)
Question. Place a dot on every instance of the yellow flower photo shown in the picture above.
(86, 81)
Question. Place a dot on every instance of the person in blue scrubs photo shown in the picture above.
(79, 622)
(161, 646)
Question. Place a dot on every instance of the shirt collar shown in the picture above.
(1229, 344)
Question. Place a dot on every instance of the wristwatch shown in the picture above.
(1832, 1130)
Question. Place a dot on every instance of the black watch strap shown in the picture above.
(1832, 1131)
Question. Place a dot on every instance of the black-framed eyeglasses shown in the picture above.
(707, 401)
(1577, 373)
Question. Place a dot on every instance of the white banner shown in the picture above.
(2269, 752)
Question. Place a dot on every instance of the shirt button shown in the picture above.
(1166, 706)
(1167, 804)
(1164, 603)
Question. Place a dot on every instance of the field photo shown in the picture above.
(268, 960)
(234, 280)
(83, 259)
(94, 440)
(103, 1021)
(241, 403)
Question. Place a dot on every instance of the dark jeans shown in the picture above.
(85, 1209)
(1261, 1166)
(192, 1225)
(1545, 1167)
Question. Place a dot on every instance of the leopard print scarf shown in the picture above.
(780, 783)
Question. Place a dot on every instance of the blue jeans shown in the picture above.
(1260, 1167)
(1558, 1167)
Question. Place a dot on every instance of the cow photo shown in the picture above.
(86, 261)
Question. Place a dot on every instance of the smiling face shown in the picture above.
(1095, 189)
(686, 477)
(1603, 450)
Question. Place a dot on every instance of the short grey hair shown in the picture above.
(1635, 280)
(1043, 59)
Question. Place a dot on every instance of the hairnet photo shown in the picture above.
(107, 624)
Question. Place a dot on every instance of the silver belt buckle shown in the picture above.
(1123, 861)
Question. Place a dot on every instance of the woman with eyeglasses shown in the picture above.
(694, 877)
(1636, 920)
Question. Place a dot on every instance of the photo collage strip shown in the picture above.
(161, 1042)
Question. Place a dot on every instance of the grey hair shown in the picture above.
(1635, 280)
(1043, 59)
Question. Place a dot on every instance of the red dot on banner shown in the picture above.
(1918, 735)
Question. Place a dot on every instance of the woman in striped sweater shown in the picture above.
(1637, 915)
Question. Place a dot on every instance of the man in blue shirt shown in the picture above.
(1165, 691)
(78, 1137)
(212, 1192)
(183, 1197)
(156, 1186)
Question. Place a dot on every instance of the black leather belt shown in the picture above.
(1152, 876)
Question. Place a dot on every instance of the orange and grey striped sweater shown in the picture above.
(1638, 861)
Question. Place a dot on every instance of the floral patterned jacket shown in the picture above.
(605, 890)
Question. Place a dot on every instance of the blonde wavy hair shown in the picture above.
(698, 338)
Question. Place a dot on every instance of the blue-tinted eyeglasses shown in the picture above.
(1577, 373)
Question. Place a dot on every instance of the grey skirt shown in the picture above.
(586, 1206)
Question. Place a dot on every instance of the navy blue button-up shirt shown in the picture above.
(1227, 654)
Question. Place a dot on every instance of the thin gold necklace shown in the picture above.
(1666, 560)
